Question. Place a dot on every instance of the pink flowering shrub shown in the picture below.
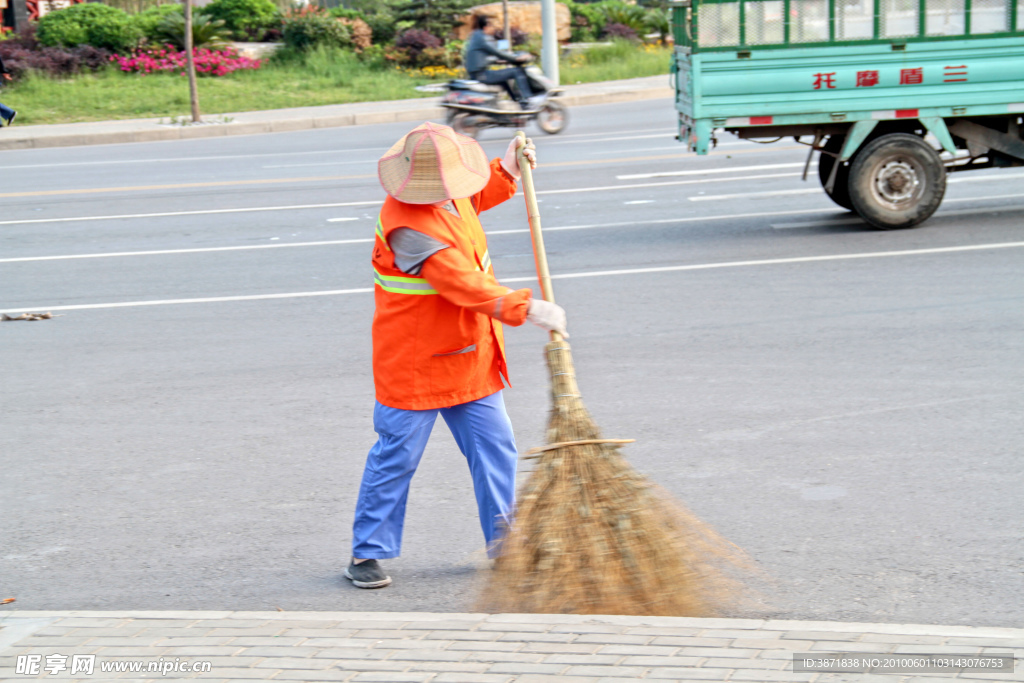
(208, 62)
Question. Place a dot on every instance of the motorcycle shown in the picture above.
(473, 106)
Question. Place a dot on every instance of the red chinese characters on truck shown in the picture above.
(867, 79)
(824, 81)
(954, 74)
(870, 78)
(911, 76)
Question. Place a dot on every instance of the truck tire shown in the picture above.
(896, 181)
(840, 193)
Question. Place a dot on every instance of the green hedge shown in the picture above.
(308, 29)
(149, 19)
(90, 24)
(244, 18)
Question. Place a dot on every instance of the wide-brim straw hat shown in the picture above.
(433, 163)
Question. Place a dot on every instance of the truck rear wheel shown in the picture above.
(840, 193)
(896, 181)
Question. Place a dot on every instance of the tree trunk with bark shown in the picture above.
(505, 24)
(190, 62)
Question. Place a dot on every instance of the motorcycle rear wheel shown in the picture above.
(465, 123)
(553, 117)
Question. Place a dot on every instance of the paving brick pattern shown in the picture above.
(474, 648)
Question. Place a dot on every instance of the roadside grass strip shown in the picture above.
(318, 79)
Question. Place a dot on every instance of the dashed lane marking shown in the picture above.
(668, 174)
(563, 276)
(959, 212)
(202, 212)
(313, 179)
(490, 233)
(602, 188)
(171, 160)
(198, 250)
(989, 177)
(186, 186)
(754, 195)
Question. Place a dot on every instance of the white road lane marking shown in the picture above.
(204, 300)
(563, 276)
(940, 214)
(669, 137)
(667, 174)
(323, 163)
(517, 231)
(624, 135)
(110, 162)
(994, 177)
(641, 224)
(203, 212)
(631, 150)
(980, 178)
(604, 188)
(198, 250)
(770, 262)
(299, 207)
(748, 195)
(341, 220)
(979, 199)
(669, 183)
(684, 155)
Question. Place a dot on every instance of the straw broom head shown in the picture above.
(593, 536)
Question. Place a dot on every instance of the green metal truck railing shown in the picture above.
(723, 25)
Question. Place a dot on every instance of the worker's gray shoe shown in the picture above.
(367, 574)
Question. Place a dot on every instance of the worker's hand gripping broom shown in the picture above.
(591, 535)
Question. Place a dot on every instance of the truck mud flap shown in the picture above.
(856, 137)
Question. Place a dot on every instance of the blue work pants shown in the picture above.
(483, 433)
(5, 112)
(504, 77)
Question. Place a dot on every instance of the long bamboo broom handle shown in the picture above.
(539, 255)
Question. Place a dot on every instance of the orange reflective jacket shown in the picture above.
(437, 337)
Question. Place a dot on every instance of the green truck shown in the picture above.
(863, 83)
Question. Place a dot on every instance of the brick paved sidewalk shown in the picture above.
(474, 648)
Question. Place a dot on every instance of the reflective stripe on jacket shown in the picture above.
(437, 338)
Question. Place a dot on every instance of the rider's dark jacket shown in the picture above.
(480, 52)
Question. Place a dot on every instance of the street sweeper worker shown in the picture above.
(437, 335)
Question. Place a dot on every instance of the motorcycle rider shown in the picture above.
(481, 52)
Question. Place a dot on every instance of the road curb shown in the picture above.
(156, 130)
(284, 120)
(439, 647)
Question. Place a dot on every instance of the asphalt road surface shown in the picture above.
(845, 404)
